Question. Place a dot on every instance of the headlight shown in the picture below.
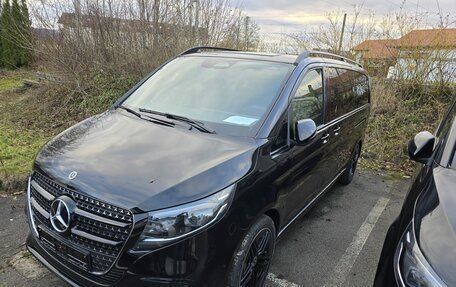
(412, 269)
(172, 224)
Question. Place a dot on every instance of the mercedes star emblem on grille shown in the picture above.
(72, 175)
(60, 213)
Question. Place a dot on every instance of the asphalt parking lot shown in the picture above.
(336, 244)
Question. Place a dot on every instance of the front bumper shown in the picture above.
(74, 279)
(129, 280)
(188, 263)
(66, 272)
(200, 260)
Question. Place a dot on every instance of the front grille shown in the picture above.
(98, 228)
(84, 202)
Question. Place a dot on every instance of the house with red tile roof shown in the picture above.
(427, 39)
(428, 54)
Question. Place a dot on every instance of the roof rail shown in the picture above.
(197, 49)
(307, 54)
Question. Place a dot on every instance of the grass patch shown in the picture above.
(19, 140)
(8, 83)
(12, 80)
(17, 151)
(18, 148)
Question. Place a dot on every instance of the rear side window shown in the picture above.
(361, 89)
(308, 102)
(346, 90)
(334, 90)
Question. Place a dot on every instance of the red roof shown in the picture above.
(430, 38)
(377, 49)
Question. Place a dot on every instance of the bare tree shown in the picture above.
(118, 37)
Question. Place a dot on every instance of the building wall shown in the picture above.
(430, 65)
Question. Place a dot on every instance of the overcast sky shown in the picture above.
(289, 16)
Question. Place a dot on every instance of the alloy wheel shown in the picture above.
(256, 264)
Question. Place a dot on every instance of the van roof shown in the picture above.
(272, 57)
(289, 59)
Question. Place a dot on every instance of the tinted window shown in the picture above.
(308, 100)
(345, 101)
(360, 89)
(347, 90)
(224, 93)
(334, 88)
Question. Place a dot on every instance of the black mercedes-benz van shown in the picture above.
(192, 175)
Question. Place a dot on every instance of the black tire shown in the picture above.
(349, 173)
(253, 257)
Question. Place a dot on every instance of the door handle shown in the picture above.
(336, 130)
(325, 138)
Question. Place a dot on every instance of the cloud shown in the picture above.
(289, 16)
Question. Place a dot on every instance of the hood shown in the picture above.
(435, 216)
(141, 165)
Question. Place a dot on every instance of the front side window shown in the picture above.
(228, 95)
(308, 101)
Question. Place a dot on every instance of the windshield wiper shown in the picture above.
(149, 119)
(196, 124)
(129, 110)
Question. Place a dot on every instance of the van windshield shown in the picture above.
(230, 96)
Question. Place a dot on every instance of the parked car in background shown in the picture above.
(191, 176)
(420, 247)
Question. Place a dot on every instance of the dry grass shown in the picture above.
(383, 98)
(399, 111)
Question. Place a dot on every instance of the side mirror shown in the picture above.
(421, 147)
(305, 129)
